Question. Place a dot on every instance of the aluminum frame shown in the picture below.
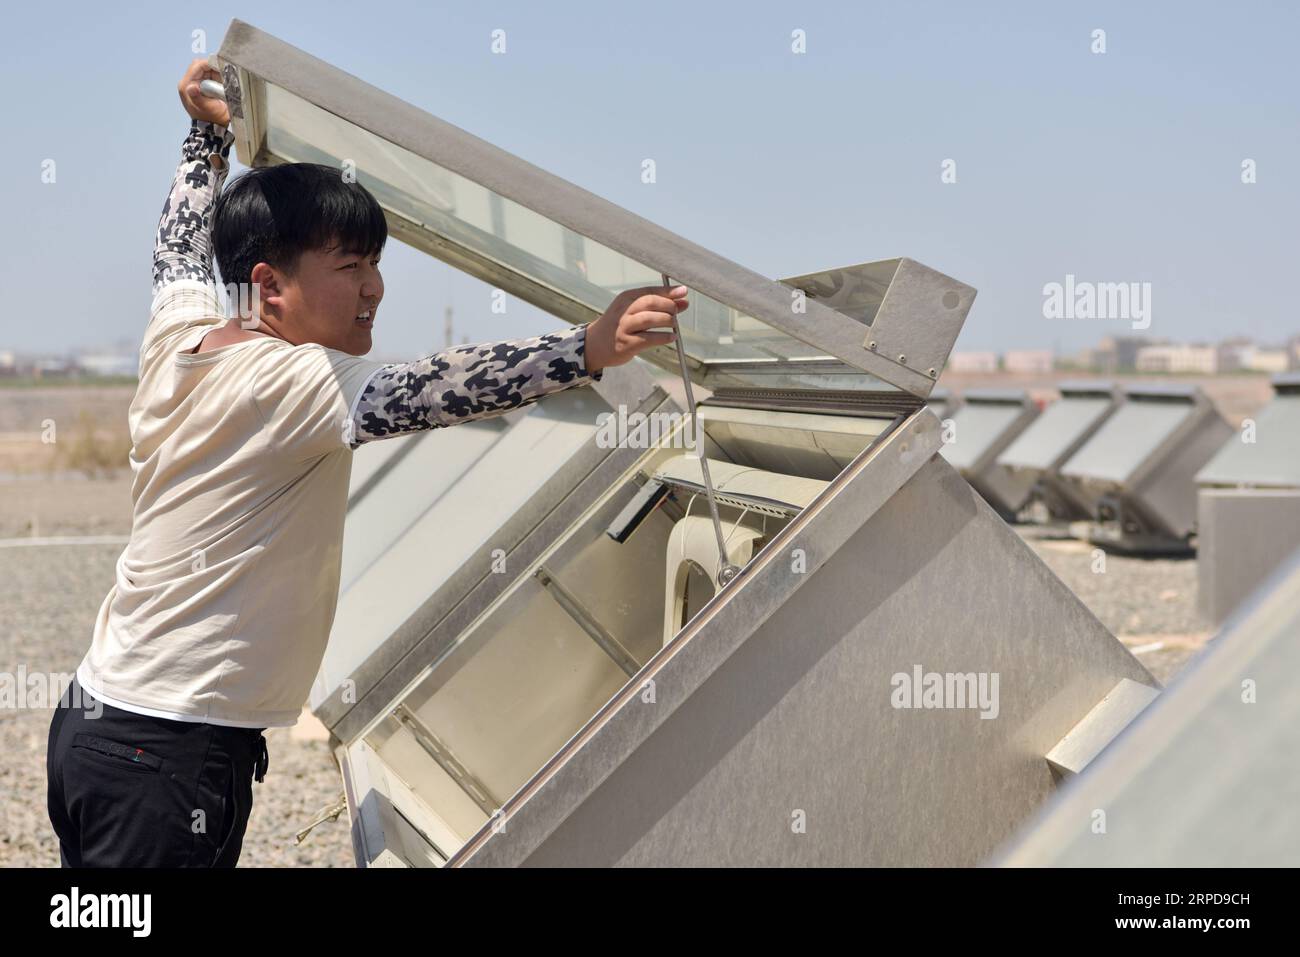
(921, 314)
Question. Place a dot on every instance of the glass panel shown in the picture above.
(1048, 436)
(828, 375)
(1127, 438)
(977, 426)
(431, 469)
(427, 517)
(857, 291)
(1272, 459)
(473, 217)
(373, 456)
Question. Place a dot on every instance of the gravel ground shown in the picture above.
(47, 608)
(1149, 603)
(53, 592)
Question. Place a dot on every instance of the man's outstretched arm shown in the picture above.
(183, 249)
(469, 382)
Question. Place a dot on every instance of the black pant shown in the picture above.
(132, 790)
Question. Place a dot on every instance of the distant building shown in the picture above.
(1243, 355)
(108, 365)
(1029, 361)
(1270, 360)
(1119, 353)
(1235, 354)
(1178, 358)
(973, 362)
(43, 368)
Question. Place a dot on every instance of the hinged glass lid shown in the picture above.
(569, 252)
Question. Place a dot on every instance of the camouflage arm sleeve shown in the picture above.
(183, 249)
(467, 382)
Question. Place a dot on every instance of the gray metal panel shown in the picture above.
(1136, 474)
(1163, 390)
(1243, 535)
(1096, 387)
(798, 726)
(1032, 461)
(1206, 776)
(1127, 440)
(988, 421)
(1100, 726)
(1061, 427)
(921, 313)
(1272, 459)
(896, 298)
(916, 541)
(1166, 487)
(730, 616)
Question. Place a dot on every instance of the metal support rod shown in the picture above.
(587, 622)
(475, 789)
(726, 570)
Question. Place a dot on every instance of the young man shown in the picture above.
(242, 437)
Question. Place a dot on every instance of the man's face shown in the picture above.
(324, 300)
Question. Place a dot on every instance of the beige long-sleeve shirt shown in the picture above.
(224, 596)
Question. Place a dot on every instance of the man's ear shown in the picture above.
(268, 282)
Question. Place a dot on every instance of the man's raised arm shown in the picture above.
(183, 249)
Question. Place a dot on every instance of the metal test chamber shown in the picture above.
(1135, 475)
(1248, 504)
(529, 664)
(1030, 465)
(987, 422)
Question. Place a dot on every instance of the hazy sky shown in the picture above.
(1117, 167)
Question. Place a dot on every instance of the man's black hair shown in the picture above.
(273, 214)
